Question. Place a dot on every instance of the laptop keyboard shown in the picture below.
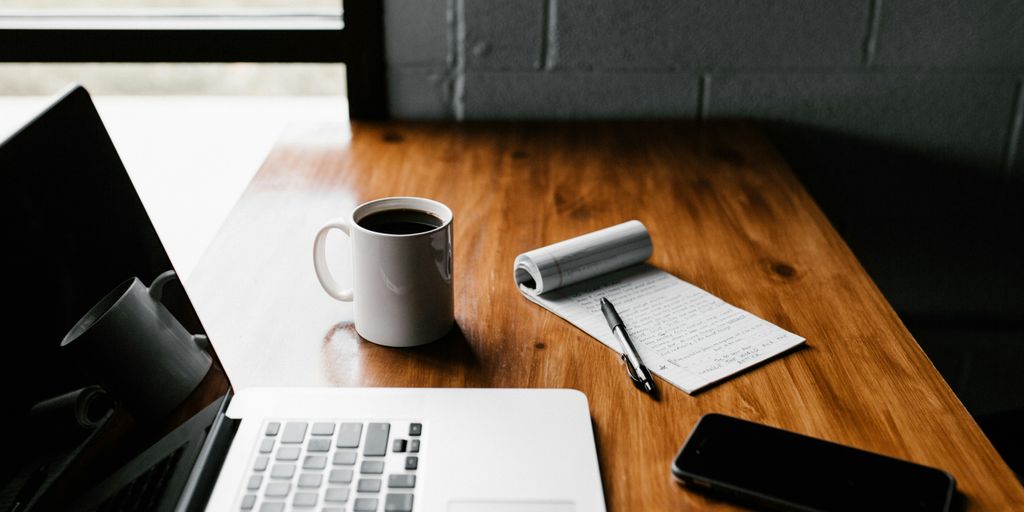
(334, 467)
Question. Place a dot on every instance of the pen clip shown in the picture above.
(629, 369)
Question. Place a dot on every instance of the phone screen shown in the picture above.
(774, 467)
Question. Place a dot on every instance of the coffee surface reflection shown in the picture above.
(400, 222)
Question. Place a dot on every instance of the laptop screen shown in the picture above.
(98, 362)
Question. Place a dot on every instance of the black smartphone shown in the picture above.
(772, 468)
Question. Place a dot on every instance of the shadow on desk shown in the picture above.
(448, 362)
(942, 237)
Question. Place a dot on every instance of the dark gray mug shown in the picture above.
(137, 350)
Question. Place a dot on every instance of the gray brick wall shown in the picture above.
(689, 34)
(951, 33)
(941, 77)
(572, 95)
(505, 34)
(924, 112)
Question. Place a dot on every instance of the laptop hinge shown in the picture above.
(207, 466)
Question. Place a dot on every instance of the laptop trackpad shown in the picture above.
(511, 506)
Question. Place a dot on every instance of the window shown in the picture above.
(283, 32)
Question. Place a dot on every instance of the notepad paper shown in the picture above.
(684, 334)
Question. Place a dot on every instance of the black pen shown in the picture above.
(634, 366)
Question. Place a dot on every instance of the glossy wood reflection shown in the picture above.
(725, 214)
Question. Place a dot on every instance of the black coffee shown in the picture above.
(400, 222)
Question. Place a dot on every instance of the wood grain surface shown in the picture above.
(725, 213)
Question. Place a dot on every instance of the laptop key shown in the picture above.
(365, 505)
(323, 429)
(277, 490)
(415, 429)
(375, 467)
(398, 503)
(288, 453)
(336, 495)
(315, 462)
(414, 446)
(398, 445)
(412, 462)
(304, 499)
(402, 481)
(254, 482)
(344, 458)
(349, 434)
(272, 428)
(377, 439)
(248, 501)
(261, 463)
(310, 480)
(272, 506)
(368, 485)
(340, 476)
(294, 432)
(319, 444)
(267, 445)
(282, 471)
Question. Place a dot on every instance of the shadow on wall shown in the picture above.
(945, 244)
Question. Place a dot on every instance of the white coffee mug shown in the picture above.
(402, 289)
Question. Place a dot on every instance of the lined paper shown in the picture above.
(684, 334)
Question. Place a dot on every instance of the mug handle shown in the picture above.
(156, 288)
(323, 274)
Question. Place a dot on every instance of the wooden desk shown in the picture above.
(725, 213)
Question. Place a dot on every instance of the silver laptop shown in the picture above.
(76, 229)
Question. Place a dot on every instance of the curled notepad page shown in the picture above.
(578, 259)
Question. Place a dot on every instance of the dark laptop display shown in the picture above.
(74, 230)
